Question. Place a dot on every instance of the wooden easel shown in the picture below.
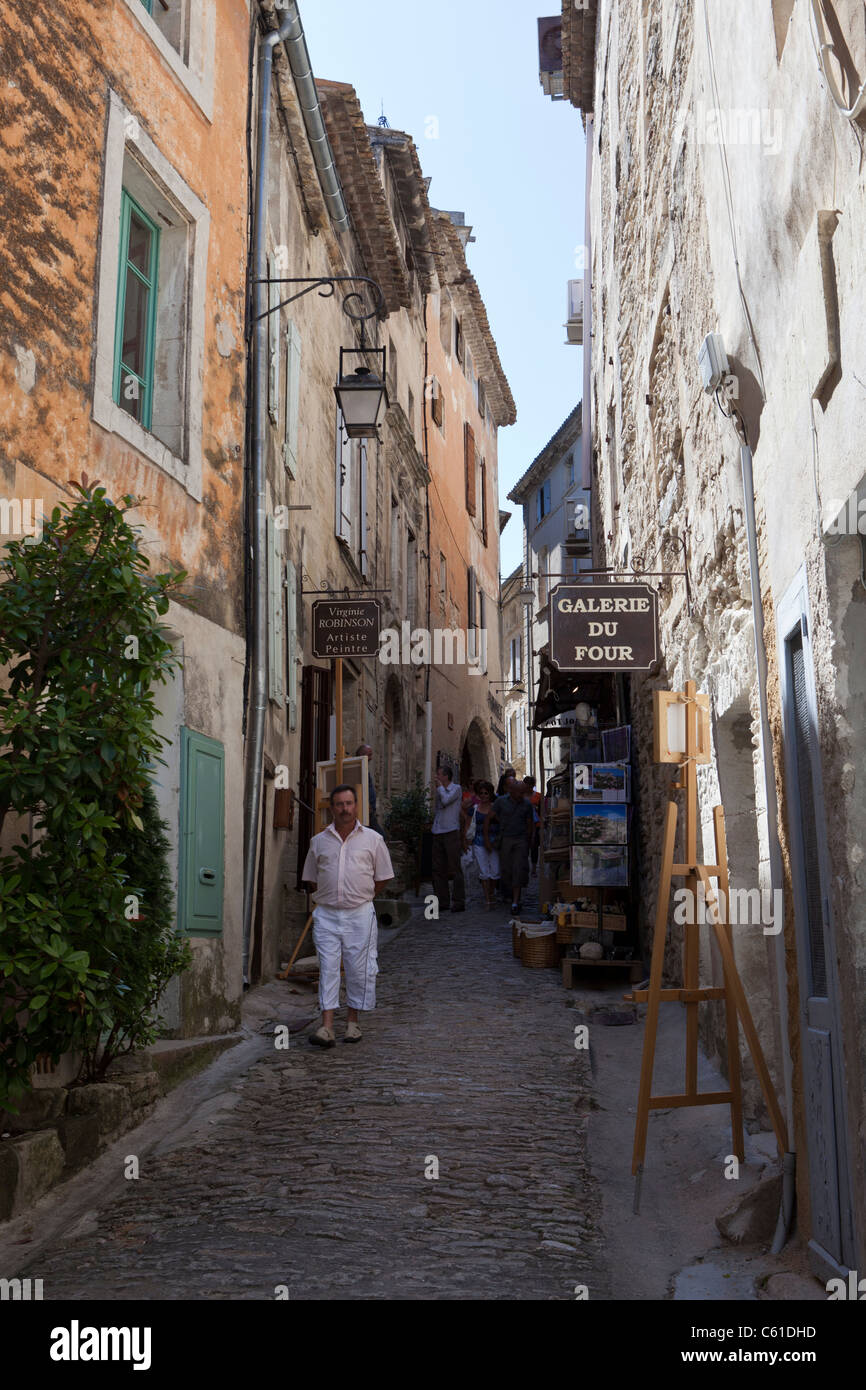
(691, 994)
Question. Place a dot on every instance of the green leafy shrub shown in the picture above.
(82, 647)
(409, 814)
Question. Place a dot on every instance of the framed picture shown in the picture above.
(354, 775)
(602, 782)
(599, 866)
(586, 745)
(616, 744)
(600, 823)
(669, 727)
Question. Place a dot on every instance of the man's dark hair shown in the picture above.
(343, 787)
(447, 772)
(529, 781)
(359, 751)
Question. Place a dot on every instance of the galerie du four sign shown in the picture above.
(603, 627)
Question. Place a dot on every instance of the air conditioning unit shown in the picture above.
(574, 326)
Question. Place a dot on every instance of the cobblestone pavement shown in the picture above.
(311, 1174)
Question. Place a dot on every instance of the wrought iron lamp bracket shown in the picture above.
(327, 285)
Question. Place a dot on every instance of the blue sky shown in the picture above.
(462, 79)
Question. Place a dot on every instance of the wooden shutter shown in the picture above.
(293, 395)
(273, 343)
(469, 465)
(436, 402)
(292, 643)
(201, 869)
(362, 520)
(276, 653)
(484, 501)
(343, 485)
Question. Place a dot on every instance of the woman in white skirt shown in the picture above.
(481, 835)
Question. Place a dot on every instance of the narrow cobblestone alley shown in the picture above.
(314, 1177)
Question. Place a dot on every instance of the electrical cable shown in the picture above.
(823, 47)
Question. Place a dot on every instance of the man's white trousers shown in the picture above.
(353, 934)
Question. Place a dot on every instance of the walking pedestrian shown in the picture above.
(514, 814)
(447, 796)
(503, 781)
(346, 866)
(365, 751)
(534, 798)
(482, 833)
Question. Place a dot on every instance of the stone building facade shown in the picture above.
(557, 547)
(466, 401)
(514, 684)
(123, 128)
(725, 198)
(159, 122)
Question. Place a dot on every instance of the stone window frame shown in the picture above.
(125, 140)
(196, 74)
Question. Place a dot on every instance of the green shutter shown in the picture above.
(201, 870)
(135, 326)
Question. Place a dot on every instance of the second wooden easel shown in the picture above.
(691, 994)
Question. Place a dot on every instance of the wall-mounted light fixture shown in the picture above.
(362, 395)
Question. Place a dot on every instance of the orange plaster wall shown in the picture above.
(58, 64)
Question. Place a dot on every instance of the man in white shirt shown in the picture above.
(347, 865)
(448, 799)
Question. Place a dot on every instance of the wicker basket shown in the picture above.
(564, 933)
(539, 952)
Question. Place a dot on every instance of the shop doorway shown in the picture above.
(315, 747)
(831, 1245)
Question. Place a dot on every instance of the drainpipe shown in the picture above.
(305, 85)
(291, 33)
(258, 640)
(428, 703)
(789, 1159)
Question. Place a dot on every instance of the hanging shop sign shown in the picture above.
(603, 627)
(346, 627)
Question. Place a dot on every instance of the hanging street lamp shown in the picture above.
(362, 395)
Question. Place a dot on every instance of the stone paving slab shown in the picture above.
(313, 1176)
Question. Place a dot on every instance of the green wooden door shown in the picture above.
(201, 870)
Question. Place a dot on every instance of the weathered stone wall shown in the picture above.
(665, 252)
(62, 67)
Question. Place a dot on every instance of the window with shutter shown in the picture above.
(293, 396)
(292, 645)
(202, 835)
(363, 561)
(273, 342)
(469, 463)
(436, 402)
(276, 654)
(343, 484)
(484, 501)
(472, 617)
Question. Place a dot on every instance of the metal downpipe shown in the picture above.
(305, 85)
(257, 497)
